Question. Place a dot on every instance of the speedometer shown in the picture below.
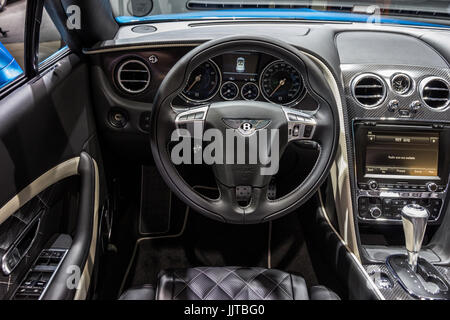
(281, 83)
(203, 82)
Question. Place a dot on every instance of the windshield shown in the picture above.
(201, 9)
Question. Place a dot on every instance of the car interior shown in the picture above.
(130, 150)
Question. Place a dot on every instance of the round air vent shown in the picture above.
(368, 89)
(435, 92)
(133, 76)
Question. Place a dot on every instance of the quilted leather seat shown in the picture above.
(228, 283)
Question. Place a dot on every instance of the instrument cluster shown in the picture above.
(245, 76)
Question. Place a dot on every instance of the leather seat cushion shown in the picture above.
(234, 283)
(228, 283)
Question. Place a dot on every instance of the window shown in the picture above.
(12, 27)
(50, 40)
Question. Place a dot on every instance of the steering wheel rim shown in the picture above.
(260, 209)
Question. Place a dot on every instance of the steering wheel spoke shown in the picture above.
(192, 120)
(228, 201)
(301, 126)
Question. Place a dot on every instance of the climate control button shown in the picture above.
(373, 185)
(432, 187)
(375, 212)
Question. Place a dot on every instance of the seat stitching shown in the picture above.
(277, 285)
(187, 283)
(246, 284)
(218, 284)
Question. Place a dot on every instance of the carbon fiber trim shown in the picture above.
(417, 74)
(353, 110)
(397, 292)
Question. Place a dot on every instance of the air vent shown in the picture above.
(369, 90)
(435, 93)
(133, 76)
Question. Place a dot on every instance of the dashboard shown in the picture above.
(393, 82)
(250, 76)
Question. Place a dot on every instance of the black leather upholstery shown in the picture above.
(229, 283)
(322, 293)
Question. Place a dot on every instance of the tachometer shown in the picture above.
(281, 83)
(203, 82)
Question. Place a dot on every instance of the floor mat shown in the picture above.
(154, 213)
(209, 243)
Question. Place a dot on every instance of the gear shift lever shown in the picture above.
(414, 218)
(416, 275)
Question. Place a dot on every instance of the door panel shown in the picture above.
(50, 165)
(42, 124)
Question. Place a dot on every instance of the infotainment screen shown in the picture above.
(393, 153)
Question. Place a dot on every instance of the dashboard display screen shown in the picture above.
(240, 66)
(415, 154)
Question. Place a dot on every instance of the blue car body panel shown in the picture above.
(292, 14)
(9, 68)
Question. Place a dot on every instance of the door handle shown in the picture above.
(21, 246)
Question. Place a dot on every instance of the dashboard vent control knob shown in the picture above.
(375, 212)
(373, 185)
(432, 187)
(415, 106)
(393, 105)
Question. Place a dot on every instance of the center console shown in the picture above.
(397, 164)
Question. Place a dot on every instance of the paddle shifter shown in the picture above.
(416, 275)
(414, 218)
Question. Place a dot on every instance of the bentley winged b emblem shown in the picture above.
(246, 126)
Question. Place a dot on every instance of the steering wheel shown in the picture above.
(292, 125)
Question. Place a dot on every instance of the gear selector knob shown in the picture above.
(414, 218)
